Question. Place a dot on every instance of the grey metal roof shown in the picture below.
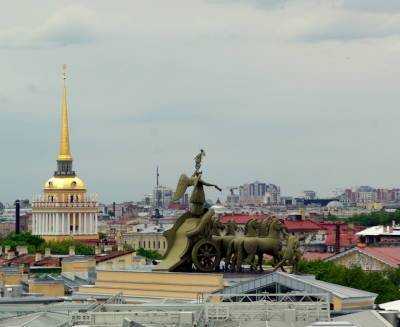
(367, 318)
(40, 319)
(304, 283)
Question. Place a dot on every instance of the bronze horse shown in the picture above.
(224, 240)
(251, 230)
(271, 244)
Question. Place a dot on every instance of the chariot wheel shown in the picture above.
(206, 255)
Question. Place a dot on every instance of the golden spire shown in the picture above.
(65, 153)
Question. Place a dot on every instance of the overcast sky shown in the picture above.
(303, 94)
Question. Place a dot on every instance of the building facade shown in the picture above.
(65, 210)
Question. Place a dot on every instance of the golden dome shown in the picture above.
(65, 183)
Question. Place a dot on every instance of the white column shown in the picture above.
(73, 223)
(57, 223)
(80, 223)
(95, 223)
(90, 223)
(48, 222)
(63, 223)
(87, 223)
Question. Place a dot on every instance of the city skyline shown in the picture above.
(139, 91)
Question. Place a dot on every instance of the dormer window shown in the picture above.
(73, 184)
(51, 184)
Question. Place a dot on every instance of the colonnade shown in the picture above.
(64, 223)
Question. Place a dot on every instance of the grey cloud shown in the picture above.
(165, 116)
(69, 26)
(372, 5)
(262, 4)
(344, 26)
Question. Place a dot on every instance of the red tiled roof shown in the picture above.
(302, 225)
(345, 239)
(48, 262)
(313, 256)
(241, 218)
(22, 260)
(110, 255)
(390, 255)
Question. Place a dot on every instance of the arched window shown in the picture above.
(163, 244)
(148, 244)
(154, 244)
(71, 198)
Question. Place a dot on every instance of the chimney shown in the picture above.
(337, 238)
(72, 250)
(17, 217)
(10, 255)
(97, 250)
(22, 249)
(47, 252)
(38, 256)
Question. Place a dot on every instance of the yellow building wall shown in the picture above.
(78, 266)
(11, 279)
(47, 289)
(146, 241)
(154, 284)
(122, 262)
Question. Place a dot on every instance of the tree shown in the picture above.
(62, 247)
(385, 284)
(13, 240)
(150, 254)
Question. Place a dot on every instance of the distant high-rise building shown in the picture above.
(255, 193)
(367, 194)
(309, 195)
(273, 195)
(162, 197)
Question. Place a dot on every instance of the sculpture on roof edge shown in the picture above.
(195, 242)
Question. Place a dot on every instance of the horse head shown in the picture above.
(231, 227)
(251, 227)
(276, 227)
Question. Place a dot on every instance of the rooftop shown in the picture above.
(388, 255)
(304, 283)
(381, 230)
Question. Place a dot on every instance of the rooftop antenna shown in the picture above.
(157, 189)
